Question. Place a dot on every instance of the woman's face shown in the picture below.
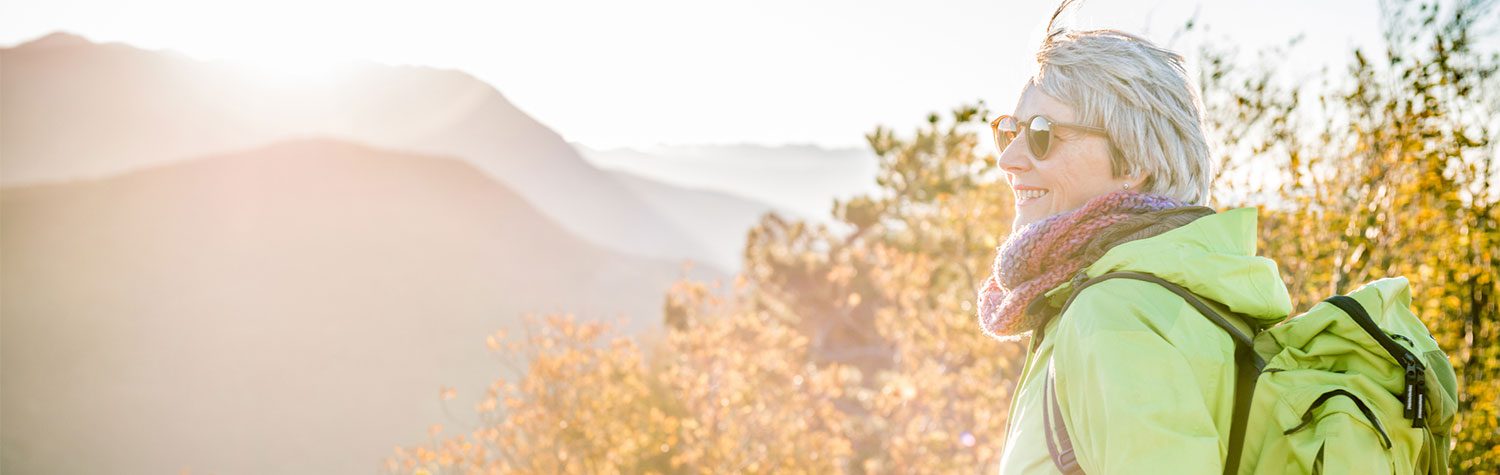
(1076, 169)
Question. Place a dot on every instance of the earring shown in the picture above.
(1127, 186)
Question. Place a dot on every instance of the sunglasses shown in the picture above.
(1038, 133)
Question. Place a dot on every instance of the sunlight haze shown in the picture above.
(639, 74)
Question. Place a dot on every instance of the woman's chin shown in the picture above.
(1029, 213)
(1022, 219)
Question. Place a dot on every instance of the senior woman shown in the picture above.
(1106, 153)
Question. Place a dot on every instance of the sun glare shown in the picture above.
(292, 68)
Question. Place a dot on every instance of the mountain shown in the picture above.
(292, 308)
(75, 109)
(721, 221)
(801, 179)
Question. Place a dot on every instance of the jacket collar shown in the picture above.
(1212, 256)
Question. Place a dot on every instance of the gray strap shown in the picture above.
(1059, 445)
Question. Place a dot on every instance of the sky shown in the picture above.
(611, 73)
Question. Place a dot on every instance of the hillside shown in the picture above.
(286, 309)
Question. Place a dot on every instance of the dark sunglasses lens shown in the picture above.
(1040, 136)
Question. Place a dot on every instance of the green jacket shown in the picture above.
(1146, 382)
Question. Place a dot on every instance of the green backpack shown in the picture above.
(1355, 385)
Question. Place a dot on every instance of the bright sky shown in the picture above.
(612, 73)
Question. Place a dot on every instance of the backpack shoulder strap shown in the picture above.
(1247, 364)
(1059, 446)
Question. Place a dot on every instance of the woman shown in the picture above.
(1106, 153)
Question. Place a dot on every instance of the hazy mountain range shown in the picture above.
(98, 109)
(802, 179)
(201, 269)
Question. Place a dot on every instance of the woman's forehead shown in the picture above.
(1034, 102)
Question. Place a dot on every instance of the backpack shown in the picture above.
(1356, 384)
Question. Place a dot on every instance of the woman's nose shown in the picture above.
(1014, 158)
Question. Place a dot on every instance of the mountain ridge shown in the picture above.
(75, 108)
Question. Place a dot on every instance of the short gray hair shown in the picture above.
(1141, 94)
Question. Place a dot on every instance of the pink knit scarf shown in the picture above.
(1044, 254)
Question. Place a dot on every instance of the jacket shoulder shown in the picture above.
(1130, 306)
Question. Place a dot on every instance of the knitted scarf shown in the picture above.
(1044, 254)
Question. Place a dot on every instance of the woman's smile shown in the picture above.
(1027, 196)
